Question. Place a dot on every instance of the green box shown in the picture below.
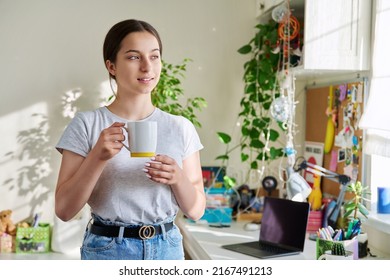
(33, 239)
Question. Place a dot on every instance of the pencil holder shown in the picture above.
(33, 239)
(323, 245)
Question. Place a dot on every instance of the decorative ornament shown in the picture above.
(280, 109)
(291, 31)
(281, 13)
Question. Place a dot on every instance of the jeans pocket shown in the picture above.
(174, 237)
(97, 243)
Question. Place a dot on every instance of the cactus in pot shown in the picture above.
(338, 249)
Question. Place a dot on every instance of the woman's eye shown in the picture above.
(133, 57)
(155, 57)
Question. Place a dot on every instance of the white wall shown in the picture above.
(50, 47)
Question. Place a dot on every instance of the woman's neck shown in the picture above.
(132, 109)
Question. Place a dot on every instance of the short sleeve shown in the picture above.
(192, 140)
(75, 137)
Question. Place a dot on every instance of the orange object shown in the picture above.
(290, 32)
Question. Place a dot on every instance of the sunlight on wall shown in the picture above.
(15, 191)
(105, 92)
(69, 110)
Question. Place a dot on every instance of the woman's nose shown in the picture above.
(145, 64)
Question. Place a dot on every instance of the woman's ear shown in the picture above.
(111, 68)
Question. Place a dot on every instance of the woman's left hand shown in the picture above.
(163, 169)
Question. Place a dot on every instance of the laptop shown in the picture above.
(282, 231)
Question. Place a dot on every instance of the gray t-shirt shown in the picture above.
(123, 193)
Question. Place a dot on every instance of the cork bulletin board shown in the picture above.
(342, 106)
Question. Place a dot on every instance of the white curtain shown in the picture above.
(376, 117)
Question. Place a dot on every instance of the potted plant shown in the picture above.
(355, 205)
(168, 91)
(355, 210)
(257, 129)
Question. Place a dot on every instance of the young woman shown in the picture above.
(134, 201)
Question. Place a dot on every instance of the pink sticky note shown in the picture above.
(333, 161)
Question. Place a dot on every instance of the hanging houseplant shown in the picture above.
(259, 134)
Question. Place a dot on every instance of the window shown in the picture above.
(375, 119)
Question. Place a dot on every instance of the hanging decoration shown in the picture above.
(283, 105)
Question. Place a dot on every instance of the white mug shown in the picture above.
(328, 256)
(142, 138)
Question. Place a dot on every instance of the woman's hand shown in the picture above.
(110, 141)
(186, 183)
(163, 169)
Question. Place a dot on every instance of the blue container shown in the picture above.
(222, 215)
(383, 206)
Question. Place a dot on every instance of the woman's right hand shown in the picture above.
(110, 141)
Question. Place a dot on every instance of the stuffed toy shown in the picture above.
(6, 224)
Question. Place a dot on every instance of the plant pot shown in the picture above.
(362, 244)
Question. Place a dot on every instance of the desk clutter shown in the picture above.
(25, 237)
(241, 203)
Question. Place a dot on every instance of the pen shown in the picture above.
(355, 229)
(349, 230)
(321, 234)
(341, 235)
(331, 230)
(325, 234)
(35, 220)
(328, 233)
(337, 235)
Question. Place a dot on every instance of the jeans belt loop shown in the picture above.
(120, 235)
(163, 232)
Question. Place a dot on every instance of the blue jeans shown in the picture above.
(165, 246)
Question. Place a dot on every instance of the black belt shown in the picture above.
(141, 232)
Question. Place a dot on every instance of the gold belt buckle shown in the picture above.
(146, 232)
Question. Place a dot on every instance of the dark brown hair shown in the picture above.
(119, 31)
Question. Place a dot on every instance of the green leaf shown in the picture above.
(244, 130)
(266, 66)
(229, 182)
(254, 133)
(254, 165)
(224, 138)
(245, 49)
(348, 213)
(244, 157)
(275, 153)
(256, 143)
(262, 156)
(222, 157)
(251, 88)
(363, 210)
(273, 135)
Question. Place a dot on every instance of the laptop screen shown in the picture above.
(284, 222)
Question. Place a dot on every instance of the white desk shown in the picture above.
(202, 242)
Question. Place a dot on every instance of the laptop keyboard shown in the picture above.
(272, 249)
